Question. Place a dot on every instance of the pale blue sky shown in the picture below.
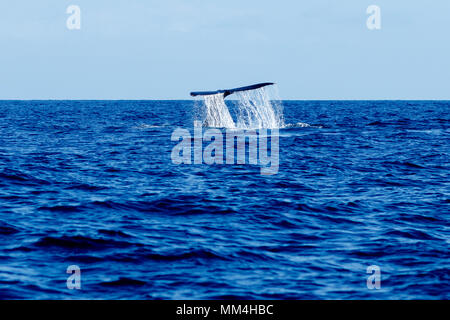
(141, 49)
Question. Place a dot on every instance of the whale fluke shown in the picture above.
(227, 92)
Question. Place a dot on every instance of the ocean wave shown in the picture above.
(84, 187)
(123, 282)
(81, 243)
(411, 234)
(18, 177)
(61, 208)
(146, 254)
(180, 206)
(6, 229)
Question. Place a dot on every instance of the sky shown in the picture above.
(145, 49)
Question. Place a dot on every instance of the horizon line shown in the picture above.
(319, 99)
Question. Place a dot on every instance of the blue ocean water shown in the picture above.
(92, 184)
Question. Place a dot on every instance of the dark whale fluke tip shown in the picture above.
(227, 92)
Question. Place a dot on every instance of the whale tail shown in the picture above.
(227, 92)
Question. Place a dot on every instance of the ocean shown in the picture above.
(361, 186)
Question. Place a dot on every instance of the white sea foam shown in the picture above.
(147, 126)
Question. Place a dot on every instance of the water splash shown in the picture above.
(217, 113)
(253, 109)
(257, 110)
